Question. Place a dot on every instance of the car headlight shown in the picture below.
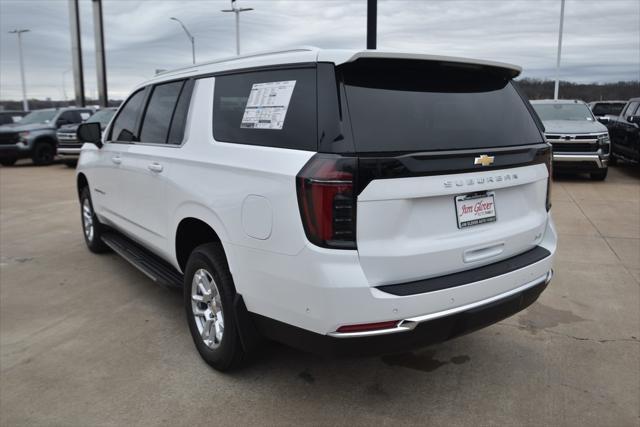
(603, 139)
(23, 135)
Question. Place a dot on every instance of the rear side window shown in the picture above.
(124, 127)
(631, 108)
(157, 119)
(297, 130)
(179, 121)
(409, 106)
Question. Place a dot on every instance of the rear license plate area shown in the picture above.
(475, 209)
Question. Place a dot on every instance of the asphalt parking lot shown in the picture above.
(89, 340)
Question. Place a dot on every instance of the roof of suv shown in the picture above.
(313, 54)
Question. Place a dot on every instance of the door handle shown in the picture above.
(155, 167)
(116, 159)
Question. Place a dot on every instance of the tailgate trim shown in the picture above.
(468, 276)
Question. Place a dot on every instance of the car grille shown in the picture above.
(573, 147)
(68, 140)
(9, 138)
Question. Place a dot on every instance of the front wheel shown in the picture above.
(599, 175)
(208, 299)
(91, 227)
(8, 162)
(43, 154)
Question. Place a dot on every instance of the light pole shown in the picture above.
(191, 38)
(235, 9)
(25, 103)
(557, 86)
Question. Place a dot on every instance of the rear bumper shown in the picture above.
(411, 333)
(580, 161)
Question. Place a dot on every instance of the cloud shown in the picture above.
(601, 39)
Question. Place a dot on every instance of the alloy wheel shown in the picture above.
(206, 305)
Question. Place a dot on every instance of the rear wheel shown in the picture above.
(208, 299)
(599, 175)
(43, 154)
(8, 162)
(91, 227)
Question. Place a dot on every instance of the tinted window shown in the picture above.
(39, 116)
(178, 123)
(602, 109)
(299, 126)
(408, 106)
(157, 118)
(124, 128)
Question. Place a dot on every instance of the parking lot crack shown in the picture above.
(574, 337)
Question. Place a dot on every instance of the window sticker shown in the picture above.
(267, 105)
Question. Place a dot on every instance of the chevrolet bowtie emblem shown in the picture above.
(484, 160)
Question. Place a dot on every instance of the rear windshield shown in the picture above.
(613, 108)
(405, 105)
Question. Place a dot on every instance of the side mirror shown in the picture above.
(62, 122)
(604, 120)
(90, 132)
(634, 119)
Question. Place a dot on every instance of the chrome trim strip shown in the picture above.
(410, 323)
(578, 158)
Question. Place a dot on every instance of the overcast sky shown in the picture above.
(601, 39)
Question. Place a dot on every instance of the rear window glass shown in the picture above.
(408, 106)
(608, 108)
(297, 92)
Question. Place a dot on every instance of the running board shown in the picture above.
(151, 265)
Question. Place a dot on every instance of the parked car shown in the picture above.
(625, 133)
(68, 144)
(580, 143)
(35, 135)
(327, 199)
(10, 117)
(604, 109)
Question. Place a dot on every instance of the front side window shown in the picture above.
(272, 108)
(124, 128)
(631, 108)
(157, 119)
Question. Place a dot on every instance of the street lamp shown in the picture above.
(25, 103)
(557, 85)
(191, 38)
(235, 9)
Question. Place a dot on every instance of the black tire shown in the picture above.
(71, 163)
(8, 162)
(93, 240)
(600, 175)
(43, 154)
(613, 160)
(228, 352)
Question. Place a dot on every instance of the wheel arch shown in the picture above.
(196, 225)
(81, 182)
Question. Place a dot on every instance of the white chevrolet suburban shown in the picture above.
(342, 202)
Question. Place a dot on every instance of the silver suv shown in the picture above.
(580, 143)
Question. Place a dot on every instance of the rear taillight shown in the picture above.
(327, 200)
(549, 163)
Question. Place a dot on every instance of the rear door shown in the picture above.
(451, 168)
